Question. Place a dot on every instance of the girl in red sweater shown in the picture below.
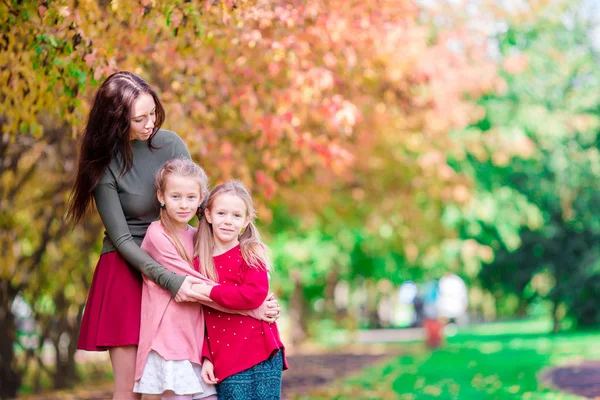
(243, 356)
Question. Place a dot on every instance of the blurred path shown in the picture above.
(582, 379)
(313, 371)
(311, 367)
(389, 335)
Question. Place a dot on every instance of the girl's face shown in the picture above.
(228, 216)
(182, 197)
(142, 118)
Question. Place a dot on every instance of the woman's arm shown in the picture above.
(111, 212)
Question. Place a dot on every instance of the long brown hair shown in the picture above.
(106, 135)
(184, 168)
(254, 251)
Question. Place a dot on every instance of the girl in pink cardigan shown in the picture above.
(172, 334)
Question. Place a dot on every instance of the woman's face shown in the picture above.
(143, 116)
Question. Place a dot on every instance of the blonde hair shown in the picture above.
(184, 168)
(254, 251)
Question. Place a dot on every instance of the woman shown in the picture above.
(122, 148)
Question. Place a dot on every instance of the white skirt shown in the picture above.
(182, 377)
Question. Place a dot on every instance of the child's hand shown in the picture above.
(272, 309)
(208, 373)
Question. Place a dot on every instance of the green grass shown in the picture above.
(491, 361)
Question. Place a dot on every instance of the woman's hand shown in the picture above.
(203, 292)
(186, 293)
(208, 373)
(270, 309)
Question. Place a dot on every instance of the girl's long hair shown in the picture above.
(106, 135)
(184, 168)
(254, 251)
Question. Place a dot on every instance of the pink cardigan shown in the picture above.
(174, 330)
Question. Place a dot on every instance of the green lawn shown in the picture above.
(492, 361)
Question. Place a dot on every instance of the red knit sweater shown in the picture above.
(235, 343)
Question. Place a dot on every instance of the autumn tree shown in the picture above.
(533, 159)
(336, 110)
(404, 103)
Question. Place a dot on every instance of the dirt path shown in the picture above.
(312, 371)
(582, 379)
(308, 371)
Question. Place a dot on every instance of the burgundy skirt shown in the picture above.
(112, 313)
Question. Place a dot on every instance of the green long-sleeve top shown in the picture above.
(127, 204)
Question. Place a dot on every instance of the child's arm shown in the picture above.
(160, 246)
(208, 369)
(250, 294)
(268, 309)
(259, 313)
(206, 348)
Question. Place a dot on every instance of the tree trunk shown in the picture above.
(10, 376)
(297, 311)
(329, 293)
(372, 302)
(521, 311)
(65, 375)
(73, 333)
(37, 381)
(555, 319)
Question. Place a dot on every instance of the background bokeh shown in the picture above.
(385, 142)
